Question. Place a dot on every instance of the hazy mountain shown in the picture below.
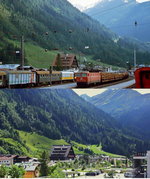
(63, 114)
(57, 24)
(120, 16)
(129, 107)
(85, 97)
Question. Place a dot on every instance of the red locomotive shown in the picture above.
(142, 77)
(87, 78)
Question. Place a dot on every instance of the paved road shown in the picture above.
(64, 86)
(121, 85)
(101, 176)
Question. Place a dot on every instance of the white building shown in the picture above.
(139, 164)
(148, 164)
(7, 160)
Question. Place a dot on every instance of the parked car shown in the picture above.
(129, 175)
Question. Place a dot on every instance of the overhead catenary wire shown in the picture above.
(104, 11)
(128, 25)
(118, 26)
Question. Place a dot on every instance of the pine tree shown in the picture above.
(44, 164)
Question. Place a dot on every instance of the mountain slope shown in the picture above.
(63, 114)
(120, 16)
(129, 107)
(53, 24)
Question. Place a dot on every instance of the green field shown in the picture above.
(37, 56)
(37, 143)
(97, 149)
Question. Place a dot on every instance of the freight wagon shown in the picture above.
(2, 79)
(19, 78)
(44, 77)
(67, 76)
(142, 77)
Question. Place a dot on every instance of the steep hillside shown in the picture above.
(120, 16)
(129, 107)
(53, 24)
(61, 114)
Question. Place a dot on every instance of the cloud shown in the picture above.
(85, 4)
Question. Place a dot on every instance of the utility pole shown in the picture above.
(135, 58)
(22, 52)
(50, 73)
(135, 47)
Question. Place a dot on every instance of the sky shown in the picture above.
(85, 4)
(94, 92)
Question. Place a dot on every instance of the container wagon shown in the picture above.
(20, 78)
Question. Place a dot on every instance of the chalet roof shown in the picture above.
(67, 60)
(24, 157)
(61, 150)
(7, 157)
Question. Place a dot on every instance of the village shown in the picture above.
(62, 159)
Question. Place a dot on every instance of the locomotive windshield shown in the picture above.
(80, 75)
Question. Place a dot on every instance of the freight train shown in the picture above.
(13, 79)
(84, 79)
(142, 77)
(27, 78)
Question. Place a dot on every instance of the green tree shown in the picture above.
(57, 173)
(3, 171)
(59, 63)
(44, 164)
(111, 173)
(16, 172)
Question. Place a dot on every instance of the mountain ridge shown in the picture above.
(121, 18)
(120, 104)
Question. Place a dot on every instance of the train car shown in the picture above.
(106, 77)
(44, 77)
(19, 78)
(87, 78)
(2, 79)
(67, 76)
(56, 76)
(142, 77)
